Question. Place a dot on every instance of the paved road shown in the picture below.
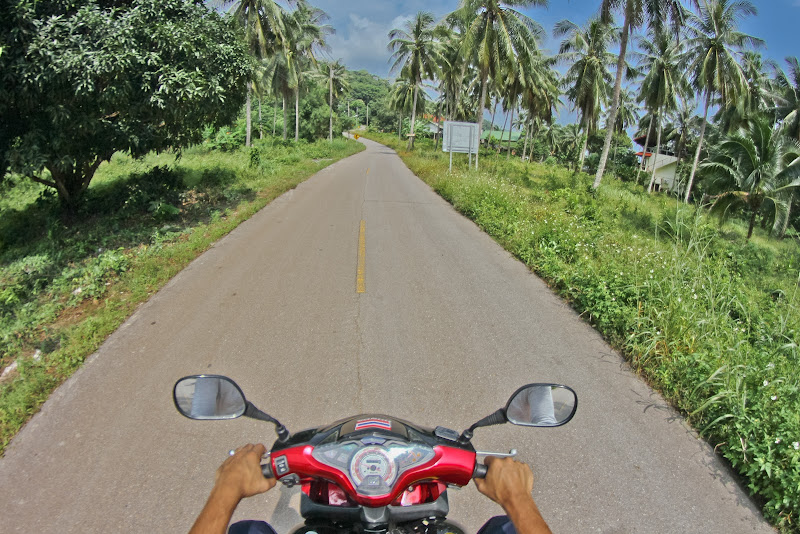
(448, 327)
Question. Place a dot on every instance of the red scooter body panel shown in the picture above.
(450, 465)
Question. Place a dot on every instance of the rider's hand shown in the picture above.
(507, 480)
(509, 483)
(240, 475)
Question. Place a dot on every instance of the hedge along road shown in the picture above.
(436, 324)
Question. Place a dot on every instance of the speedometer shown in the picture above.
(372, 466)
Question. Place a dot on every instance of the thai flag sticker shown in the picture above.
(373, 423)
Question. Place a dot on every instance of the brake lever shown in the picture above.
(509, 454)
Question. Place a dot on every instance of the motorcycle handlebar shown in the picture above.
(266, 470)
(480, 471)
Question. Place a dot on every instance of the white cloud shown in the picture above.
(362, 43)
(362, 28)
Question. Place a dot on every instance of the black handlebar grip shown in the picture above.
(480, 471)
(266, 469)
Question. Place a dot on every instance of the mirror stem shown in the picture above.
(497, 418)
(255, 413)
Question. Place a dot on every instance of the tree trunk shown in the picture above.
(479, 118)
(260, 123)
(297, 114)
(285, 133)
(527, 136)
(500, 142)
(248, 119)
(642, 166)
(413, 119)
(491, 124)
(73, 183)
(511, 127)
(752, 224)
(585, 143)
(612, 117)
(330, 98)
(784, 226)
(400, 127)
(274, 116)
(658, 151)
(679, 152)
(697, 152)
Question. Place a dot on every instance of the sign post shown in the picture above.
(462, 137)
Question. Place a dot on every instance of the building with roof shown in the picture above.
(666, 166)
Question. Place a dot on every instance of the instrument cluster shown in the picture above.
(373, 464)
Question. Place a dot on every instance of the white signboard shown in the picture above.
(461, 137)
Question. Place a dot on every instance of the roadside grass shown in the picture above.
(66, 286)
(709, 319)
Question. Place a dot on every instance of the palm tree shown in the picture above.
(763, 165)
(627, 115)
(514, 84)
(415, 50)
(788, 99)
(540, 95)
(497, 34)
(401, 99)
(756, 97)
(305, 34)
(455, 65)
(664, 82)
(656, 13)
(262, 21)
(278, 74)
(334, 75)
(570, 139)
(684, 121)
(712, 61)
(588, 79)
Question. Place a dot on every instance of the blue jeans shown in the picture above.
(497, 525)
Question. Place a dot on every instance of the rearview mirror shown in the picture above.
(208, 397)
(542, 405)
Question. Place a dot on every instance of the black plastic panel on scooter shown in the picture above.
(382, 515)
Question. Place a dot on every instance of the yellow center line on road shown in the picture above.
(361, 284)
(367, 170)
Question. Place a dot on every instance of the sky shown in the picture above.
(362, 26)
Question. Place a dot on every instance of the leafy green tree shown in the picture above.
(762, 166)
(367, 87)
(498, 34)
(314, 113)
(415, 50)
(80, 83)
(588, 79)
(713, 62)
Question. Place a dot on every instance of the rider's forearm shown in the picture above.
(216, 514)
(525, 515)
